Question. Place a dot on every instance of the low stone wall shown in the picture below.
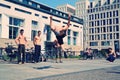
(4, 43)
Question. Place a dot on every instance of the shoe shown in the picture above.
(61, 62)
(19, 62)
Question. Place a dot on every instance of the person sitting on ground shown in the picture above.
(111, 55)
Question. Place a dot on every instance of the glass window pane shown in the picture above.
(15, 32)
(74, 41)
(10, 32)
(69, 40)
(10, 20)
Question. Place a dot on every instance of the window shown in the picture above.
(110, 28)
(101, 15)
(75, 34)
(14, 24)
(98, 24)
(113, 13)
(74, 41)
(92, 37)
(5, 6)
(110, 21)
(104, 22)
(98, 37)
(98, 30)
(92, 30)
(25, 1)
(95, 16)
(104, 29)
(117, 21)
(34, 24)
(117, 27)
(69, 40)
(69, 32)
(33, 34)
(34, 4)
(92, 24)
(110, 35)
(93, 43)
(48, 37)
(104, 36)
(107, 14)
(108, 1)
(105, 43)
(117, 13)
(104, 15)
(89, 17)
(111, 6)
(92, 17)
(24, 11)
(117, 35)
(16, 21)
(36, 14)
(13, 32)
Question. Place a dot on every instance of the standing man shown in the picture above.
(57, 51)
(21, 42)
(60, 31)
(37, 44)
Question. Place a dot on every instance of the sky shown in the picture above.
(55, 3)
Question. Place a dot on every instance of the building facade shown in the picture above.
(33, 16)
(67, 8)
(81, 12)
(103, 24)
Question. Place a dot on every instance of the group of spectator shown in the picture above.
(110, 54)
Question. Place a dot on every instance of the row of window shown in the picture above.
(104, 22)
(103, 43)
(104, 36)
(104, 15)
(104, 8)
(72, 38)
(104, 29)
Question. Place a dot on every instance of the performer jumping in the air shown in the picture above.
(60, 31)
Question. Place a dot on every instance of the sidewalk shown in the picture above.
(44, 69)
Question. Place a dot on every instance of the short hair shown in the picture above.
(39, 31)
(21, 30)
(109, 48)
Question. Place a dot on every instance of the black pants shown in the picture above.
(21, 53)
(37, 53)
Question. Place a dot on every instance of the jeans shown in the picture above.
(21, 53)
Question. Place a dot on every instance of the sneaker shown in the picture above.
(19, 62)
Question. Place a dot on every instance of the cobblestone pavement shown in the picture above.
(70, 69)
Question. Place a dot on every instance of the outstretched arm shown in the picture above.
(68, 24)
(51, 24)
